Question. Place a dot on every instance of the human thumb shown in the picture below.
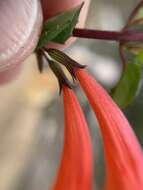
(20, 26)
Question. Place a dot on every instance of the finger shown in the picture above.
(51, 8)
(19, 31)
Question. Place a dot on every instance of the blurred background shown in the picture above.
(31, 120)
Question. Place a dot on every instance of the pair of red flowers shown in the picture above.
(123, 154)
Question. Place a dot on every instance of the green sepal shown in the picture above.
(59, 28)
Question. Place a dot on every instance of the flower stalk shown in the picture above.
(123, 36)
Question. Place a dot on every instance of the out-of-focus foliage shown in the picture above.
(128, 86)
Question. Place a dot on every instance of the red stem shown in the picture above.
(96, 34)
(108, 35)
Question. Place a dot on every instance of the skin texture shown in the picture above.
(52, 8)
(19, 31)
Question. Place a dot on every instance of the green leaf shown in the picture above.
(60, 27)
(128, 86)
(139, 58)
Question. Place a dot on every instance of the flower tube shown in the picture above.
(75, 170)
(123, 154)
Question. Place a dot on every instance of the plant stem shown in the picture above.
(132, 15)
(108, 35)
(96, 34)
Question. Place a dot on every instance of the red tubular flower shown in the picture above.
(75, 172)
(123, 154)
